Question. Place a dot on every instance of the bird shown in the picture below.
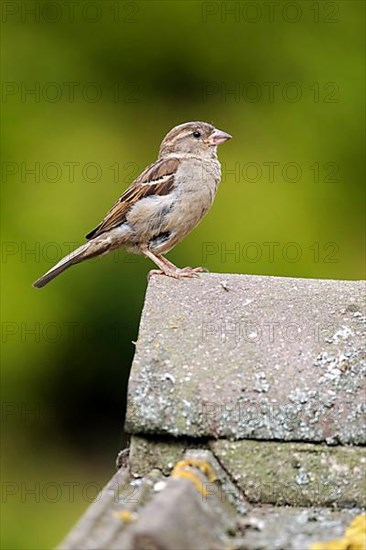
(161, 206)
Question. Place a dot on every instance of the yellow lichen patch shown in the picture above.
(181, 470)
(126, 516)
(357, 526)
(354, 538)
(204, 466)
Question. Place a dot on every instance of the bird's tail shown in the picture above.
(85, 252)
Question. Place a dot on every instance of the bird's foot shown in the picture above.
(194, 270)
(184, 273)
(154, 272)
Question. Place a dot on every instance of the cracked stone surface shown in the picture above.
(295, 474)
(271, 528)
(239, 356)
(281, 474)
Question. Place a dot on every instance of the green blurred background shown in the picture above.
(110, 79)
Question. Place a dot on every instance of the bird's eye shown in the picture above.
(196, 134)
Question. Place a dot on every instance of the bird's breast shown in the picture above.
(196, 186)
(163, 221)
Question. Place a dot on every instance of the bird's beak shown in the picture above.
(217, 137)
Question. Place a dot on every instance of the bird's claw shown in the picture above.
(184, 273)
(194, 269)
(154, 272)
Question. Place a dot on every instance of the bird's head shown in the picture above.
(196, 138)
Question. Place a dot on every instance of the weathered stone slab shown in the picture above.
(251, 357)
(173, 513)
(295, 474)
(276, 528)
(146, 453)
(154, 512)
(178, 517)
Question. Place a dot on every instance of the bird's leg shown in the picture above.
(168, 268)
(165, 260)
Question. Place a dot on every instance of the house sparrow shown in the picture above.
(162, 205)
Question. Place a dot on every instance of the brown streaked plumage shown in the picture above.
(162, 205)
(158, 179)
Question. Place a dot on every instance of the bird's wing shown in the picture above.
(156, 179)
